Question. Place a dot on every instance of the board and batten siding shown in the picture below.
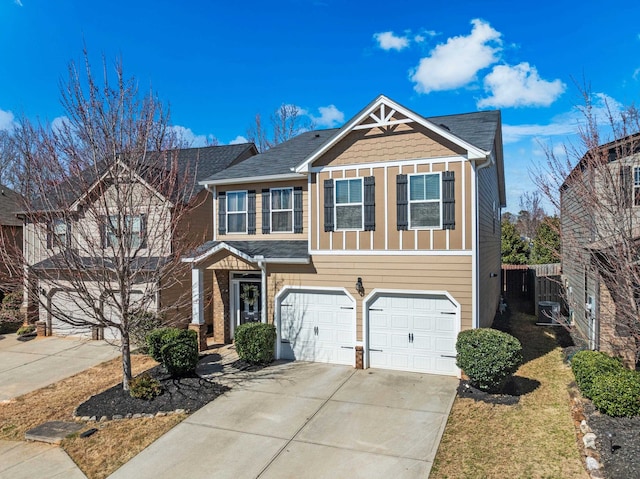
(258, 187)
(386, 236)
(489, 245)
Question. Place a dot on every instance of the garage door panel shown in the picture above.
(411, 333)
(315, 325)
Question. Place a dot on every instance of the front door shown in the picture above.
(249, 302)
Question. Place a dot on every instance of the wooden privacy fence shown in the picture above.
(537, 282)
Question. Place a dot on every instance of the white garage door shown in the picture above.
(67, 303)
(413, 332)
(317, 326)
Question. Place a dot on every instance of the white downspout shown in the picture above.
(476, 244)
(263, 295)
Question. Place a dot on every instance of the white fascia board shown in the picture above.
(253, 179)
(473, 152)
(287, 260)
(214, 250)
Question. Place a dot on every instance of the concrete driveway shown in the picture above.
(29, 365)
(308, 420)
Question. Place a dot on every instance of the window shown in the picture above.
(237, 212)
(636, 186)
(349, 204)
(132, 226)
(282, 210)
(425, 207)
(59, 234)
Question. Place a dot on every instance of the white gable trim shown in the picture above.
(382, 103)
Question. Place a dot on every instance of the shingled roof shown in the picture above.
(196, 163)
(10, 204)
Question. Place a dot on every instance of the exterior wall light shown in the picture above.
(360, 287)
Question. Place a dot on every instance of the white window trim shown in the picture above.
(410, 201)
(271, 210)
(110, 231)
(335, 204)
(245, 212)
(55, 235)
(636, 186)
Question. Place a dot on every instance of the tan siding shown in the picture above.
(258, 187)
(428, 273)
(394, 234)
(362, 146)
(378, 234)
(231, 262)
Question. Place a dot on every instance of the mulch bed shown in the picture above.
(187, 393)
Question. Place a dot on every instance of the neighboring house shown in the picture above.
(600, 230)
(84, 233)
(11, 239)
(370, 245)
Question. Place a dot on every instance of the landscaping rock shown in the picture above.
(589, 440)
(592, 464)
(584, 427)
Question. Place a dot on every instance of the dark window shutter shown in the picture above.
(103, 231)
(328, 205)
(251, 212)
(448, 200)
(143, 230)
(625, 186)
(402, 202)
(68, 225)
(370, 203)
(222, 213)
(266, 211)
(49, 235)
(297, 209)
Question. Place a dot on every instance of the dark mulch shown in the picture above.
(516, 387)
(188, 393)
(621, 456)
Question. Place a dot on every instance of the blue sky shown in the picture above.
(219, 63)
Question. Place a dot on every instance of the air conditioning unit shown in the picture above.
(548, 312)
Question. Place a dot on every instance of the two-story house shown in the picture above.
(370, 245)
(600, 231)
(11, 239)
(117, 221)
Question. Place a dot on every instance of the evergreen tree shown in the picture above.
(546, 244)
(514, 249)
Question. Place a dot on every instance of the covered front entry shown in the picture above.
(245, 299)
(316, 325)
(412, 331)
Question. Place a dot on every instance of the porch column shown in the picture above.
(197, 305)
(263, 288)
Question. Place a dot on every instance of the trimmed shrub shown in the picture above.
(489, 357)
(12, 301)
(24, 330)
(141, 323)
(158, 338)
(144, 387)
(588, 365)
(180, 353)
(617, 393)
(255, 342)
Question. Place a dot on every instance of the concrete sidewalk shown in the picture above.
(29, 365)
(29, 460)
(307, 420)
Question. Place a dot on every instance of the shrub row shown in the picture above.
(614, 390)
(488, 357)
(176, 349)
(255, 342)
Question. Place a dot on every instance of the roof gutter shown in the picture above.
(253, 179)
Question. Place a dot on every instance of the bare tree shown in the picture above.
(285, 123)
(8, 159)
(107, 207)
(531, 214)
(595, 184)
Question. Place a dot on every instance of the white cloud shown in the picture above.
(330, 116)
(7, 120)
(17, 2)
(238, 139)
(59, 124)
(187, 135)
(565, 124)
(519, 85)
(456, 63)
(389, 41)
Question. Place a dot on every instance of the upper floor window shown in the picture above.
(282, 210)
(130, 227)
(349, 205)
(236, 212)
(636, 186)
(425, 206)
(59, 234)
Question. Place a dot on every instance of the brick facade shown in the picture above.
(221, 329)
(611, 339)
